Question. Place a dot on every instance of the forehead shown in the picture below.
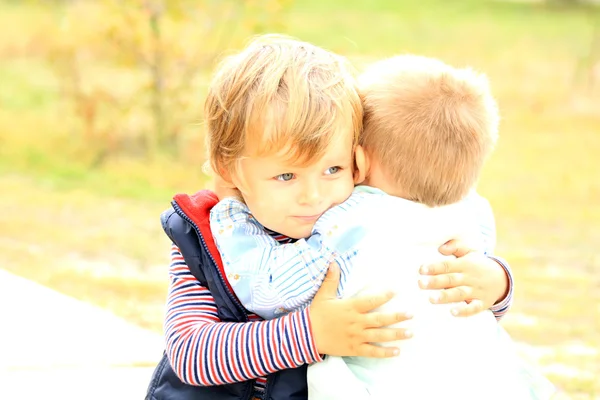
(339, 150)
(302, 131)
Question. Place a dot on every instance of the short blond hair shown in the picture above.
(280, 94)
(429, 125)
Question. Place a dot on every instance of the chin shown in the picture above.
(299, 234)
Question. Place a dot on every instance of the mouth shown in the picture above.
(307, 218)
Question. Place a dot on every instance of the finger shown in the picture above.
(466, 310)
(454, 295)
(328, 289)
(449, 247)
(365, 304)
(443, 267)
(444, 281)
(455, 248)
(379, 319)
(386, 335)
(374, 351)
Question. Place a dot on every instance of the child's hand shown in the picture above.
(471, 277)
(344, 327)
(225, 189)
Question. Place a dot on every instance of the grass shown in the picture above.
(105, 250)
(95, 234)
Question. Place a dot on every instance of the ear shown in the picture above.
(361, 165)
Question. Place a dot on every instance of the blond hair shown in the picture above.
(279, 94)
(429, 125)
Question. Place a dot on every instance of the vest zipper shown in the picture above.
(231, 295)
(241, 308)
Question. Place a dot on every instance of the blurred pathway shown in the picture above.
(53, 346)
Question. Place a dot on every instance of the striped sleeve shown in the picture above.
(501, 308)
(487, 226)
(204, 351)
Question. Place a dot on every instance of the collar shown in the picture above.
(197, 208)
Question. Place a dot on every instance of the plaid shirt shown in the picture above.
(271, 278)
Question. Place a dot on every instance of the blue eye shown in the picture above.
(285, 177)
(332, 170)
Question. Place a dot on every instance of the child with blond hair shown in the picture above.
(278, 103)
(216, 349)
(428, 128)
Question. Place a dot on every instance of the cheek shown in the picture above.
(344, 188)
(268, 203)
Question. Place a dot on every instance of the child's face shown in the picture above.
(289, 199)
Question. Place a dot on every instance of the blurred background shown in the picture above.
(101, 123)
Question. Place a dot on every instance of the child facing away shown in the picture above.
(428, 129)
(281, 92)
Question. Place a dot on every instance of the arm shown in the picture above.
(487, 225)
(503, 304)
(267, 276)
(479, 278)
(254, 349)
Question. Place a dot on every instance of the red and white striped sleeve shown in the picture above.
(204, 351)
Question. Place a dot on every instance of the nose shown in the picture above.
(311, 194)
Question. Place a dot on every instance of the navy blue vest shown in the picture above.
(188, 226)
